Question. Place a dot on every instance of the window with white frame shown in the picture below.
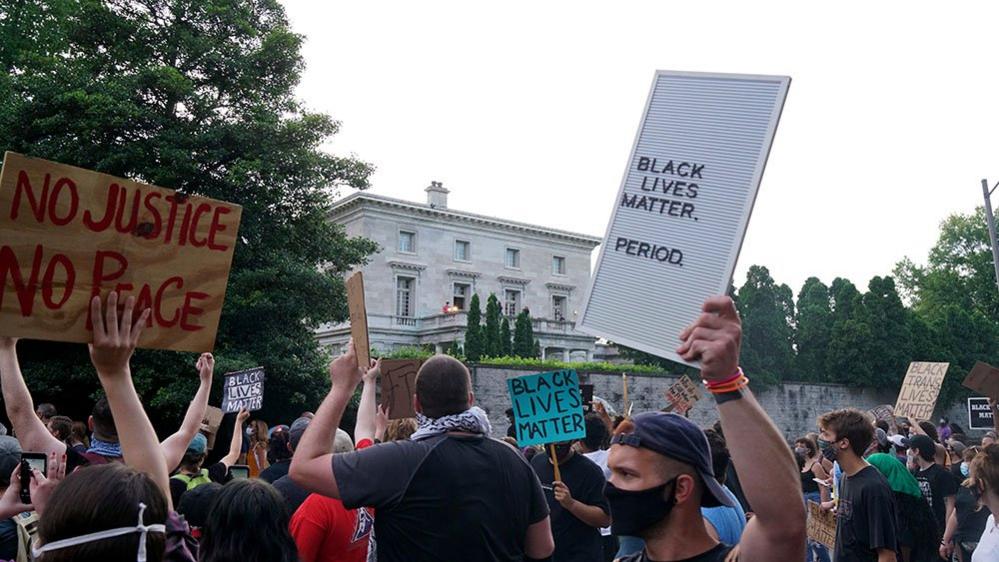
(559, 307)
(460, 298)
(404, 296)
(558, 265)
(511, 302)
(462, 250)
(407, 241)
(513, 258)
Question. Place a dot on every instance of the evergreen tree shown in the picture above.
(813, 325)
(492, 346)
(767, 311)
(454, 350)
(523, 335)
(505, 341)
(537, 349)
(473, 331)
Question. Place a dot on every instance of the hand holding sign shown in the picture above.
(714, 339)
(562, 494)
(114, 341)
(345, 373)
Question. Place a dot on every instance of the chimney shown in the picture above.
(437, 195)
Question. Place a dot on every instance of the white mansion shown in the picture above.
(433, 259)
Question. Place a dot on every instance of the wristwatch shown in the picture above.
(723, 397)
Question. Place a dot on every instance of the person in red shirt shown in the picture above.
(323, 529)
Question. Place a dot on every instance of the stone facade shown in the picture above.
(794, 407)
(420, 269)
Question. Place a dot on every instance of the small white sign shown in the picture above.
(683, 207)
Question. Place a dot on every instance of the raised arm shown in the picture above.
(30, 431)
(174, 446)
(312, 464)
(114, 342)
(236, 445)
(366, 408)
(767, 471)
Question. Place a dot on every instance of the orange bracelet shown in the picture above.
(742, 382)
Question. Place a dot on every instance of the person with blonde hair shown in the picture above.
(984, 481)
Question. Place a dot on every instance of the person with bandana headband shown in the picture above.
(577, 504)
(866, 525)
(661, 469)
(916, 525)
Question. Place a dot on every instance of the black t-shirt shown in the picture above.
(937, 483)
(217, 472)
(574, 539)
(971, 521)
(294, 495)
(8, 540)
(275, 471)
(447, 497)
(865, 517)
(716, 554)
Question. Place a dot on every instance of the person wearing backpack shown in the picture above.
(190, 475)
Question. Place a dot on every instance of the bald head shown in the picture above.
(443, 387)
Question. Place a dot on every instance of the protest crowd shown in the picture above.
(650, 486)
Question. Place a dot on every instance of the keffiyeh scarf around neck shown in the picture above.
(472, 420)
(104, 448)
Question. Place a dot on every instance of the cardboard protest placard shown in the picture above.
(210, 423)
(243, 390)
(984, 379)
(68, 234)
(683, 206)
(399, 386)
(821, 525)
(547, 407)
(358, 318)
(980, 414)
(883, 412)
(682, 395)
(919, 391)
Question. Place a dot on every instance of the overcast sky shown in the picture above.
(528, 111)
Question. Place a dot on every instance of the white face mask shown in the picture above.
(100, 535)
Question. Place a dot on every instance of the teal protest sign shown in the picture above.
(547, 407)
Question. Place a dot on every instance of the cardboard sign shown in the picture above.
(984, 379)
(919, 391)
(682, 395)
(547, 407)
(980, 414)
(399, 386)
(587, 391)
(358, 318)
(683, 206)
(883, 412)
(210, 424)
(243, 390)
(67, 234)
(821, 525)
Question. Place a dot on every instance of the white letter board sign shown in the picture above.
(683, 207)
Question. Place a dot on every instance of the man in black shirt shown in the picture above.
(938, 485)
(449, 493)
(577, 504)
(866, 526)
(661, 469)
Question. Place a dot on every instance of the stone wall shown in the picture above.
(793, 407)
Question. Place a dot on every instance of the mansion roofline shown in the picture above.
(356, 200)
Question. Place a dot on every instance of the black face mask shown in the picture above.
(828, 450)
(634, 512)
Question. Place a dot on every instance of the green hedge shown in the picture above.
(537, 364)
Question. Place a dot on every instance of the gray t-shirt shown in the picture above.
(447, 497)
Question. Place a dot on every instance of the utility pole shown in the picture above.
(991, 221)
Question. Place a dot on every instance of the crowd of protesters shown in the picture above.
(649, 487)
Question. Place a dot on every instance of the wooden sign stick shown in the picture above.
(358, 319)
(625, 408)
(558, 475)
